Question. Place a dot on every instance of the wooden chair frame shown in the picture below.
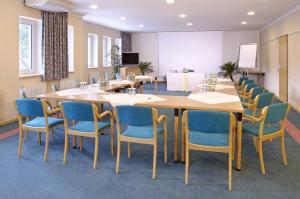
(39, 130)
(89, 134)
(258, 140)
(122, 138)
(226, 149)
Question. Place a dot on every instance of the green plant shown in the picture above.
(145, 67)
(228, 69)
(115, 56)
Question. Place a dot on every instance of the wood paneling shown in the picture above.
(283, 70)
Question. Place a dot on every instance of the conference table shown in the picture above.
(178, 103)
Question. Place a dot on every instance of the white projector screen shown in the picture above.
(200, 51)
(247, 56)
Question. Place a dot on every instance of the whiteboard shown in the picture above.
(247, 56)
(200, 51)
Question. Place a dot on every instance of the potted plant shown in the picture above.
(115, 56)
(229, 69)
(145, 67)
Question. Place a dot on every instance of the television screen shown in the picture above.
(130, 58)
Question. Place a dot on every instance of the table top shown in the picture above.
(175, 102)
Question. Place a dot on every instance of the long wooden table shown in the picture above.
(179, 104)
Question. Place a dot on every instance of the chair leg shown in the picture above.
(80, 143)
(39, 138)
(154, 161)
(74, 141)
(96, 151)
(66, 148)
(46, 146)
(20, 142)
(118, 156)
(283, 153)
(25, 135)
(230, 171)
(261, 158)
(129, 150)
(187, 164)
(182, 144)
(165, 145)
(255, 143)
(112, 139)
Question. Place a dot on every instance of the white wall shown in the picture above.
(147, 45)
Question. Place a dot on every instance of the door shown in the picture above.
(283, 68)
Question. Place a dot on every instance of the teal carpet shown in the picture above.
(31, 178)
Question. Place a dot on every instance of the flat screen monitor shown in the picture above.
(130, 58)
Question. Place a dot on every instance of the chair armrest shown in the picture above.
(52, 111)
(162, 118)
(104, 114)
(251, 118)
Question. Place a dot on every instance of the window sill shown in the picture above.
(30, 75)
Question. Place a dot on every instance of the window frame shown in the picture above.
(92, 47)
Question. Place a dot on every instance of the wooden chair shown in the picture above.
(142, 128)
(261, 101)
(246, 91)
(94, 77)
(239, 83)
(269, 125)
(85, 124)
(209, 131)
(252, 94)
(28, 91)
(41, 122)
(68, 83)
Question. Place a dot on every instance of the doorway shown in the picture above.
(283, 68)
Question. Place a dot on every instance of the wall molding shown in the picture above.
(5, 122)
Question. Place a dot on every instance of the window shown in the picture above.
(106, 51)
(71, 48)
(29, 46)
(92, 50)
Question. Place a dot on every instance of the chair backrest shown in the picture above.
(265, 99)
(134, 115)
(208, 121)
(250, 86)
(276, 112)
(32, 90)
(242, 79)
(257, 91)
(78, 111)
(54, 88)
(68, 84)
(94, 77)
(29, 107)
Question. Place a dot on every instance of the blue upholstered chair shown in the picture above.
(54, 88)
(268, 126)
(252, 94)
(38, 120)
(246, 91)
(22, 93)
(142, 128)
(84, 117)
(261, 101)
(240, 82)
(208, 131)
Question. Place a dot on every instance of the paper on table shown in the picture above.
(223, 86)
(79, 91)
(120, 82)
(126, 99)
(213, 97)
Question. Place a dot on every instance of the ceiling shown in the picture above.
(158, 16)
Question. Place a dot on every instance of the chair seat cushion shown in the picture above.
(253, 128)
(88, 126)
(143, 132)
(209, 139)
(39, 122)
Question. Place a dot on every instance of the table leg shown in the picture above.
(239, 142)
(176, 113)
(182, 140)
(155, 85)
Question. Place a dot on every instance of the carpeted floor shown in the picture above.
(31, 178)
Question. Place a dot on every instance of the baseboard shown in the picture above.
(5, 122)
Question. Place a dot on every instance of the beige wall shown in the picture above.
(270, 55)
(9, 52)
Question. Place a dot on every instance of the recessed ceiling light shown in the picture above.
(93, 6)
(182, 15)
(141, 25)
(123, 18)
(251, 13)
(170, 1)
(244, 22)
(189, 24)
